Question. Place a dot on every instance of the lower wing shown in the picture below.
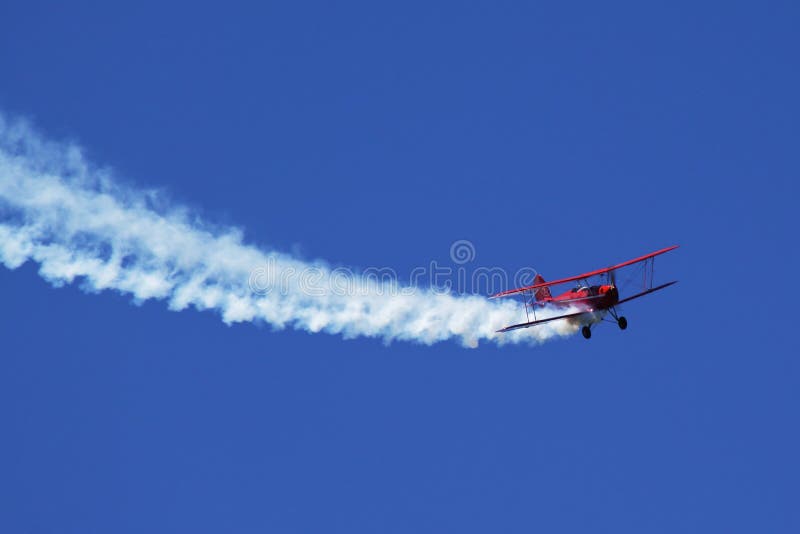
(576, 314)
(540, 321)
(647, 292)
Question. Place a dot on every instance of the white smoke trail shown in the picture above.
(79, 224)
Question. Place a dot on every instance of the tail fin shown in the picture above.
(543, 293)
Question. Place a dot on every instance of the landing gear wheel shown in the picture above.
(623, 323)
(586, 331)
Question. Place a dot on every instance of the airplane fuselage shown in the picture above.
(601, 297)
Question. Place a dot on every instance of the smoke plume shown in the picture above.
(80, 225)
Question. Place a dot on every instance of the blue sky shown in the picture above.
(562, 138)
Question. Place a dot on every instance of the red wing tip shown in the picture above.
(503, 293)
(664, 250)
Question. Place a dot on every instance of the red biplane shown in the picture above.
(591, 301)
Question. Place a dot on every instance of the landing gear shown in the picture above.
(586, 331)
(622, 322)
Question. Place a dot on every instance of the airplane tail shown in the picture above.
(543, 293)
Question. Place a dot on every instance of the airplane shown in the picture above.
(592, 301)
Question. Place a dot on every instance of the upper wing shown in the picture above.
(585, 275)
(540, 321)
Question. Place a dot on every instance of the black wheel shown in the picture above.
(623, 323)
(586, 331)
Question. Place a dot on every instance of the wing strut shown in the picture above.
(529, 308)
